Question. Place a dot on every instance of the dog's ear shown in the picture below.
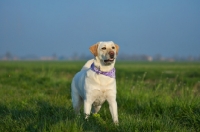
(117, 48)
(93, 49)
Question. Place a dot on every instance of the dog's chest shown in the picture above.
(98, 79)
(99, 87)
(100, 98)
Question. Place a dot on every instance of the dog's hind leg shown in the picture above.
(77, 103)
(76, 98)
(95, 109)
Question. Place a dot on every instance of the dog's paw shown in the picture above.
(87, 117)
(116, 123)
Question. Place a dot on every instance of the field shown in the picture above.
(156, 96)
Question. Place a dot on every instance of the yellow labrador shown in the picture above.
(95, 83)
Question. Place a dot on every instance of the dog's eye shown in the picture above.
(104, 48)
(113, 47)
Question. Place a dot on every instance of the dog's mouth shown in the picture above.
(108, 61)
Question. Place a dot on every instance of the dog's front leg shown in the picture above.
(87, 108)
(113, 110)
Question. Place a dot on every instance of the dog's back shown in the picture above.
(87, 64)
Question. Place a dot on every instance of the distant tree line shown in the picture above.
(122, 56)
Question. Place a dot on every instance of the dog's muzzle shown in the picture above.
(111, 58)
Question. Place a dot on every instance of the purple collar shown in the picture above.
(111, 73)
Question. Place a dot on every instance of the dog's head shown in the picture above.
(105, 51)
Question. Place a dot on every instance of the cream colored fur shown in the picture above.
(92, 89)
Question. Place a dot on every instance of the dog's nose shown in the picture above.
(112, 54)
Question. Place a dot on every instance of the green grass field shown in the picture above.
(35, 96)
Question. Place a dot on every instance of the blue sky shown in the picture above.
(63, 27)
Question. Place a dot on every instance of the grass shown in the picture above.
(35, 96)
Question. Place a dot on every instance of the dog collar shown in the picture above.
(111, 73)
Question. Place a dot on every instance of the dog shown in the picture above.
(96, 83)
